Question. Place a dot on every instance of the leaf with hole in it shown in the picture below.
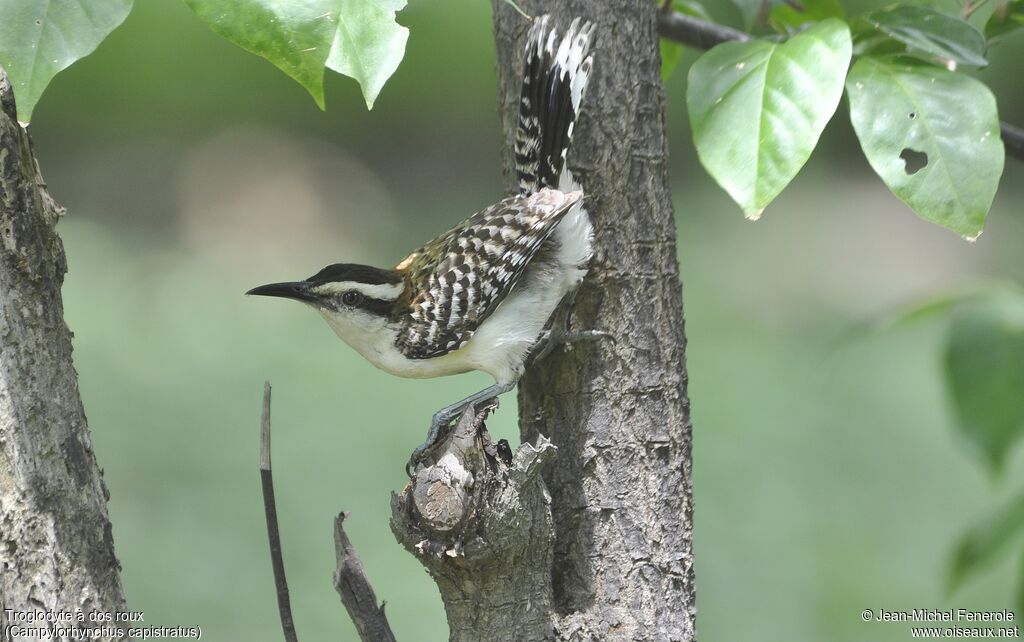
(987, 542)
(906, 112)
(39, 39)
(295, 36)
(369, 44)
(932, 33)
(758, 108)
(985, 371)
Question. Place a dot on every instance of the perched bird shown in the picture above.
(479, 296)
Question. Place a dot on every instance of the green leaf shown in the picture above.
(369, 44)
(876, 44)
(975, 12)
(672, 51)
(985, 372)
(755, 13)
(758, 108)
(902, 109)
(752, 11)
(693, 9)
(1007, 17)
(787, 19)
(39, 39)
(978, 12)
(948, 7)
(295, 36)
(941, 305)
(930, 32)
(987, 542)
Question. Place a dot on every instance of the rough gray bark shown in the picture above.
(480, 523)
(56, 549)
(616, 562)
(618, 412)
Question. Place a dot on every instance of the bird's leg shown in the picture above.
(444, 416)
(559, 333)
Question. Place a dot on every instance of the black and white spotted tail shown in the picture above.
(555, 76)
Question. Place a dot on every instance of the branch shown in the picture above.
(284, 605)
(481, 524)
(349, 578)
(1013, 139)
(356, 593)
(701, 34)
(694, 32)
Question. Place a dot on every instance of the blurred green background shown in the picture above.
(828, 476)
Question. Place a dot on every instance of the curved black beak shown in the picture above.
(298, 290)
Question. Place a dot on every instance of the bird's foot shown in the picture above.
(441, 422)
(438, 424)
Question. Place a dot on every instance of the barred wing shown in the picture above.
(462, 276)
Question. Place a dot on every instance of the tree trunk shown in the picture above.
(56, 549)
(620, 565)
(617, 412)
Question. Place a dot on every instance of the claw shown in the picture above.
(433, 436)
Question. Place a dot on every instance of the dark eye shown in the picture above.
(351, 298)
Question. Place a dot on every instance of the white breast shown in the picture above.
(502, 342)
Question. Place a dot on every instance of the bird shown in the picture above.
(481, 296)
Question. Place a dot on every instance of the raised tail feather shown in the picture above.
(554, 80)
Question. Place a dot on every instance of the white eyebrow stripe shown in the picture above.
(385, 291)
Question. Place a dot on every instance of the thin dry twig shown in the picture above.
(354, 588)
(284, 604)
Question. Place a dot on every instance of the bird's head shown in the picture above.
(351, 297)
